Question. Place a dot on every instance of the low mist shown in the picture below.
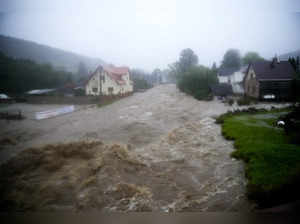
(151, 34)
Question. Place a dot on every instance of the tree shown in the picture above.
(214, 67)
(232, 59)
(156, 75)
(197, 82)
(140, 79)
(293, 63)
(251, 57)
(187, 59)
(174, 71)
(19, 75)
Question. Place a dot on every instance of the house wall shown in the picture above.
(236, 80)
(93, 83)
(223, 79)
(108, 86)
(251, 84)
(237, 88)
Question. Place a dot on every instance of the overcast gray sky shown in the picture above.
(151, 33)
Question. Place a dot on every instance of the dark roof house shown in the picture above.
(275, 70)
(269, 80)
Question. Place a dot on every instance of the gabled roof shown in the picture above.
(115, 73)
(116, 70)
(266, 70)
(227, 71)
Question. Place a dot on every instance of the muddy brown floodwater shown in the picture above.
(186, 163)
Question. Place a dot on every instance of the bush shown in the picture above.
(244, 101)
(197, 82)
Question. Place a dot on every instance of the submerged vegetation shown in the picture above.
(272, 161)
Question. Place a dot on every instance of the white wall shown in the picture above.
(223, 79)
(236, 80)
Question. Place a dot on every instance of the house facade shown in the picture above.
(234, 77)
(236, 80)
(109, 80)
(225, 73)
(269, 80)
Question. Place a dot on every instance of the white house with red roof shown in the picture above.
(109, 80)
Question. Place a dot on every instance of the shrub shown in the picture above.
(140, 83)
(197, 82)
(244, 101)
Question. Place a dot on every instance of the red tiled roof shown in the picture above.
(115, 73)
(116, 70)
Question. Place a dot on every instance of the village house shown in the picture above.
(109, 80)
(224, 74)
(234, 77)
(269, 80)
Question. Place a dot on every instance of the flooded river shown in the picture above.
(168, 131)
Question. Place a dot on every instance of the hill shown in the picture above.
(42, 54)
(18, 76)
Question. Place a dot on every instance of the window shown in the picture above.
(95, 90)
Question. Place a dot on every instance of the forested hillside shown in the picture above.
(42, 54)
(18, 76)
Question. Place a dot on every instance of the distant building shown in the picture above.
(225, 73)
(234, 77)
(269, 80)
(109, 80)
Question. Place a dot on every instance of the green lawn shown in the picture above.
(272, 163)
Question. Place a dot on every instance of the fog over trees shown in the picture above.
(151, 34)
